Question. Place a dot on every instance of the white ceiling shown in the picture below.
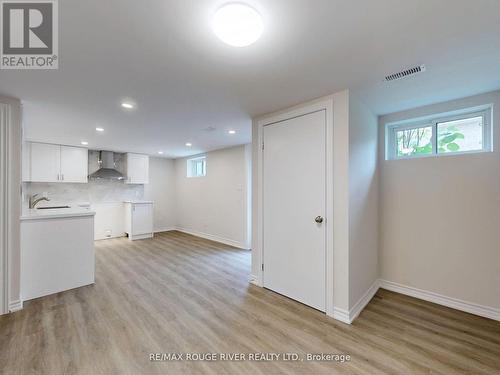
(164, 56)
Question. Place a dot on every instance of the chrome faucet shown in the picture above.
(34, 200)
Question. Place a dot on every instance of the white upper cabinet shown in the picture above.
(45, 162)
(74, 164)
(54, 163)
(137, 169)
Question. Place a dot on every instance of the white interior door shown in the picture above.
(294, 203)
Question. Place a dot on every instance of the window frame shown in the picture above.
(432, 121)
(190, 166)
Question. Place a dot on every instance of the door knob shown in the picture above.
(318, 219)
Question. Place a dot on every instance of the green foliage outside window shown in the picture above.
(419, 141)
(416, 141)
(446, 139)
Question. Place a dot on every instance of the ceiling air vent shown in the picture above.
(405, 73)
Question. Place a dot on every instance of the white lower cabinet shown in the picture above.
(139, 220)
(57, 254)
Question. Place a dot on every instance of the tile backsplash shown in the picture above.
(98, 191)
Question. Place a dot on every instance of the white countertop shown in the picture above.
(139, 202)
(55, 213)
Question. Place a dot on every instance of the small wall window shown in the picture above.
(440, 135)
(197, 167)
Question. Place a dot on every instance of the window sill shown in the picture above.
(464, 153)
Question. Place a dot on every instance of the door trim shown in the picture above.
(10, 203)
(325, 104)
(4, 207)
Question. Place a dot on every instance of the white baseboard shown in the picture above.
(254, 280)
(165, 229)
(140, 236)
(156, 230)
(341, 314)
(454, 303)
(348, 316)
(110, 237)
(212, 237)
(15, 305)
(363, 301)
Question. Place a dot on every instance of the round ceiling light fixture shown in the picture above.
(237, 24)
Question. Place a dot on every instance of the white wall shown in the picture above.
(161, 190)
(216, 206)
(440, 216)
(341, 201)
(356, 218)
(363, 200)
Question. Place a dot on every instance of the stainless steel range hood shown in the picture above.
(107, 170)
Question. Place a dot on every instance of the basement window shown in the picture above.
(452, 134)
(197, 167)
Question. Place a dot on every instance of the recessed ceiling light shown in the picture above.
(189, 144)
(232, 131)
(160, 152)
(128, 105)
(237, 24)
(99, 129)
(85, 143)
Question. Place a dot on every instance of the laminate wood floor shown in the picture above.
(181, 294)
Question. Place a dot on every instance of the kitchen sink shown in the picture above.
(51, 208)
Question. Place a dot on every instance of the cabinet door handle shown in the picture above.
(62, 177)
(58, 177)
